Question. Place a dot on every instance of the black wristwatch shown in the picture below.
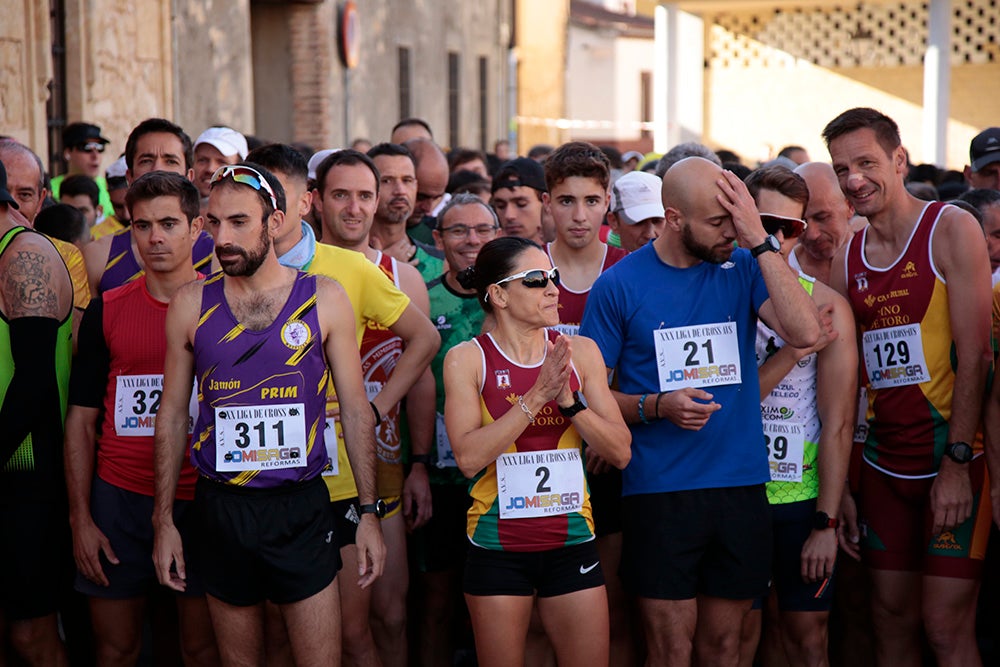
(571, 411)
(822, 521)
(377, 508)
(959, 452)
(770, 244)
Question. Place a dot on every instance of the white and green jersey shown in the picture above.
(791, 421)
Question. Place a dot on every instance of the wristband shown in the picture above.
(642, 409)
(656, 410)
(378, 417)
(420, 458)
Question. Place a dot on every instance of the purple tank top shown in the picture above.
(122, 266)
(262, 394)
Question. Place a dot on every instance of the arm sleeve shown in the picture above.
(34, 386)
(92, 364)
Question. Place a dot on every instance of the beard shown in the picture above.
(249, 261)
(395, 215)
(710, 254)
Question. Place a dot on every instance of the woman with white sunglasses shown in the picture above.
(540, 395)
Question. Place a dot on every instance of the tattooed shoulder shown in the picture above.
(27, 284)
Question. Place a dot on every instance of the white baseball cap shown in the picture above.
(117, 168)
(318, 158)
(227, 140)
(636, 197)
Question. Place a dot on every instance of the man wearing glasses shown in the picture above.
(263, 341)
(83, 146)
(677, 319)
(806, 408)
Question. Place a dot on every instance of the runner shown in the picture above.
(677, 319)
(268, 531)
(530, 525)
(918, 281)
(117, 383)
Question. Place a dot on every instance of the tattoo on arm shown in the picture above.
(27, 287)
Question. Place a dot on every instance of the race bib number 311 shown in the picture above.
(703, 355)
(894, 356)
(533, 484)
(266, 437)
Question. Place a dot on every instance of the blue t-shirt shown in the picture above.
(705, 317)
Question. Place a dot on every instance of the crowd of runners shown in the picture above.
(388, 404)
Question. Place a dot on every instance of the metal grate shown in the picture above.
(877, 34)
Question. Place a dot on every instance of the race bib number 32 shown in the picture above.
(137, 402)
(533, 484)
(894, 356)
(703, 355)
(266, 437)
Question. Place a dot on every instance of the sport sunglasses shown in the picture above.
(536, 278)
(246, 176)
(789, 227)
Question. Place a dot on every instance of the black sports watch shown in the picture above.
(822, 521)
(377, 508)
(770, 244)
(571, 411)
(959, 452)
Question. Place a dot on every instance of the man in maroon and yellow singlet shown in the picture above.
(918, 281)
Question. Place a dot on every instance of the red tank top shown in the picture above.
(380, 350)
(135, 335)
(907, 347)
(571, 304)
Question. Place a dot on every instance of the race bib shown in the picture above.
(137, 402)
(534, 484)
(266, 437)
(331, 440)
(785, 450)
(445, 457)
(567, 329)
(703, 355)
(894, 356)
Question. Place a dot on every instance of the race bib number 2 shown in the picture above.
(703, 355)
(546, 483)
(264, 437)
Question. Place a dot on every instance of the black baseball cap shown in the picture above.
(985, 148)
(77, 134)
(520, 171)
(5, 196)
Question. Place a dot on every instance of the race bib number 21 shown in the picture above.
(703, 355)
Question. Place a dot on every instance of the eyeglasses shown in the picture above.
(537, 278)
(790, 228)
(457, 232)
(246, 176)
(89, 147)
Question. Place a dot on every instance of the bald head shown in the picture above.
(689, 183)
(432, 176)
(828, 214)
(25, 177)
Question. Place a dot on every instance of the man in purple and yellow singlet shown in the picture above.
(261, 341)
(918, 280)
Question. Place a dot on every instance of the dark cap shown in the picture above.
(5, 196)
(985, 148)
(77, 134)
(520, 171)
